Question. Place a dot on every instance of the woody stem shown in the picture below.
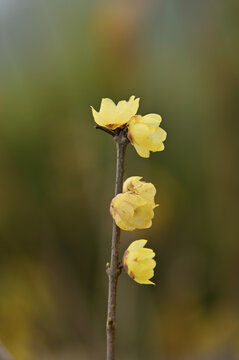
(108, 131)
(114, 268)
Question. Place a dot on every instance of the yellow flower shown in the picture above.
(134, 185)
(145, 134)
(138, 262)
(131, 211)
(115, 116)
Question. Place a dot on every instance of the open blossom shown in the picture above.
(135, 185)
(115, 116)
(131, 211)
(145, 134)
(139, 263)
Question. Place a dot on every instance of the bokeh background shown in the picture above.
(59, 57)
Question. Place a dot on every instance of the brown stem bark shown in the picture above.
(108, 131)
(114, 268)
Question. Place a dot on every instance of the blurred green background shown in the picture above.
(59, 57)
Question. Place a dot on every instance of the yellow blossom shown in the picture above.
(145, 134)
(115, 116)
(146, 190)
(139, 263)
(131, 211)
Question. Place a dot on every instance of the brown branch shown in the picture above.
(114, 269)
(108, 131)
(3, 354)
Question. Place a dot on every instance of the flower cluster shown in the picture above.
(143, 132)
(134, 207)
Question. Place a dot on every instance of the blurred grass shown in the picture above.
(56, 179)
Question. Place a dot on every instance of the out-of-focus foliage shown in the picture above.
(59, 57)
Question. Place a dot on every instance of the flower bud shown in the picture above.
(138, 262)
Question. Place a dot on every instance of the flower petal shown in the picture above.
(107, 109)
(137, 244)
(98, 117)
(141, 151)
(126, 109)
(152, 119)
(130, 182)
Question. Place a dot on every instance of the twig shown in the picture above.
(108, 131)
(114, 269)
